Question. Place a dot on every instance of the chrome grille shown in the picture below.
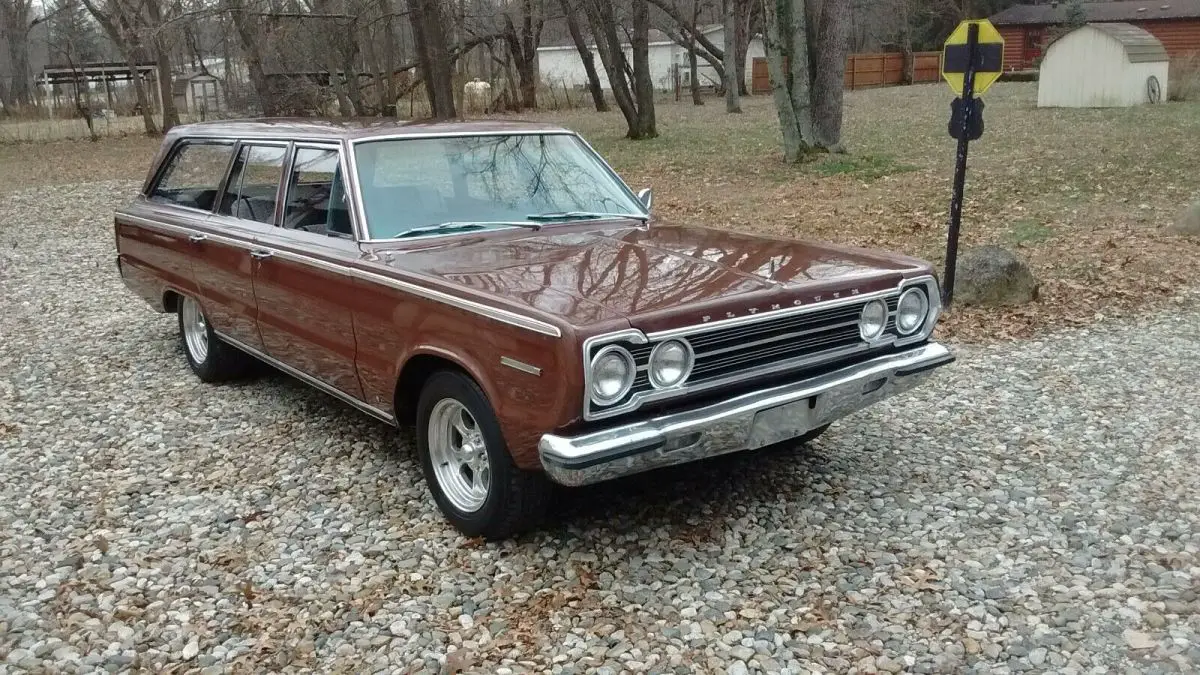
(728, 351)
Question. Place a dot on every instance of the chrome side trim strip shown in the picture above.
(180, 229)
(502, 315)
(310, 380)
(520, 365)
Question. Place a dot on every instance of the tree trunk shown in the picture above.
(742, 33)
(389, 55)
(531, 35)
(906, 45)
(777, 37)
(733, 101)
(139, 90)
(612, 56)
(353, 86)
(433, 57)
(643, 81)
(20, 92)
(170, 117)
(251, 51)
(585, 55)
(15, 17)
(833, 37)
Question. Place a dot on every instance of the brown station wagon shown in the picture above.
(498, 285)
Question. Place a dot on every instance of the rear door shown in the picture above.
(157, 236)
(301, 283)
(224, 264)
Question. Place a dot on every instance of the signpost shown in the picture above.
(972, 61)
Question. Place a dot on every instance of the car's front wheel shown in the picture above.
(210, 359)
(467, 465)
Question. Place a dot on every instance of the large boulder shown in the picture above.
(1189, 222)
(993, 276)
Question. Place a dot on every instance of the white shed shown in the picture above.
(1103, 65)
(560, 65)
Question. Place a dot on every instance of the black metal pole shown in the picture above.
(960, 164)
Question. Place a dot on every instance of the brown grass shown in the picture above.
(1085, 195)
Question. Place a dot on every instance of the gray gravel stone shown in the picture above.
(1033, 508)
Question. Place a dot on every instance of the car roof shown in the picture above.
(355, 128)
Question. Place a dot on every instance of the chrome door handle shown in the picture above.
(261, 254)
(197, 238)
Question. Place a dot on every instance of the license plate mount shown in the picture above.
(781, 423)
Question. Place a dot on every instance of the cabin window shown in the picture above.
(193, 175)
(316, 197)
(254, 183)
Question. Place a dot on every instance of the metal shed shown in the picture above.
(1103, 65)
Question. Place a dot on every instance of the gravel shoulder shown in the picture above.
(1035, 509)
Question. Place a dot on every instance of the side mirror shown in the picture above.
(647, 197)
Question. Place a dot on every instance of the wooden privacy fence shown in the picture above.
(866, 70)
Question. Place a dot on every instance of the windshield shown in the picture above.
(488, 182)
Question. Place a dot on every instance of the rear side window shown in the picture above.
(316, 197)
(254, 183)
(193, 175)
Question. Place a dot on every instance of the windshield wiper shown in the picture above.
(585, 215)
(464, 226)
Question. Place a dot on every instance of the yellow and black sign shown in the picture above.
(989, 55)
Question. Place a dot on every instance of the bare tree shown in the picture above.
(643, 82)
(522, 46)
(733, 102)
(126, 28)
(16, 18)
(635, 100)
(160, 38)
(693, 74)
(812, 42)
(585, 55)
(688, 32)
(433, 56)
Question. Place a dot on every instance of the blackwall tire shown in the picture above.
(478, 489)
(209, 358)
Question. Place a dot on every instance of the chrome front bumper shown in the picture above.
(744, 422)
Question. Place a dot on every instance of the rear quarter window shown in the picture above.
(193, 175)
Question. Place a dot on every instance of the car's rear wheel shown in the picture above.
(210, 359)
(467, 465)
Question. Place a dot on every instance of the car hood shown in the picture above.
(657, 277)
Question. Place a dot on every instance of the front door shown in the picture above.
(300, 285)
(223, 267)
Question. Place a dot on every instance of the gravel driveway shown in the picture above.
(1036, 509)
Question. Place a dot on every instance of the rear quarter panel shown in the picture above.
(153, 252)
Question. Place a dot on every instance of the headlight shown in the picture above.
(612, 375)
(873, 320)
(670, 363)
(912, 311)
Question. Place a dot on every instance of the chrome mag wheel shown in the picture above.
(195, 330)
(459, 455)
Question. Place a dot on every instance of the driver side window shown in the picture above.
(254, 183)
